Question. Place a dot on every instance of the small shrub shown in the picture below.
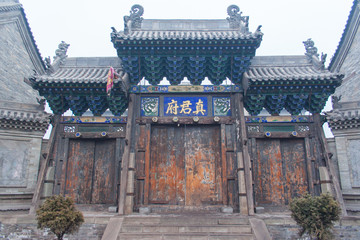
(315, 215)
(59, 215)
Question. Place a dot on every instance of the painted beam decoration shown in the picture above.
(183, 89)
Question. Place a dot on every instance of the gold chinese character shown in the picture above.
(185, 107)
(172, 107)
(200, 108)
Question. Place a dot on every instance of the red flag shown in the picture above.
(110, 80)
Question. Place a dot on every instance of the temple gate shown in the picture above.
(185, 147)
(188, 145)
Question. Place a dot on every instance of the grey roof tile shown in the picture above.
(23, 116)
(272, 68)
(184, 35)
(83, 70)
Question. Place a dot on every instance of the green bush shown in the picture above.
(315, 215)
(59, 215)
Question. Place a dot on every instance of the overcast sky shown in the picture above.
(86, 24)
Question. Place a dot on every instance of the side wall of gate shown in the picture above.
(287, 160)
(86, 160)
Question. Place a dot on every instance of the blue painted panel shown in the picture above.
(149, 106)
(221, 106)
(185, 106)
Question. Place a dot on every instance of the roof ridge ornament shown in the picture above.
(134, 20)
(60, 53)
(236, 20)
(59, 58)
(313, 56)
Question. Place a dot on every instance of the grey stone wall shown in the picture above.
(350, 88)
(15, 63)
(348, 156)
(332, 148)
(25, 227)
(29, 231)
(19, 161)
(291, 232)
(285, 228)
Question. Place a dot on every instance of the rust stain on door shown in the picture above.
(79, 170)
(185, 165)
(104, 187)
(203, 165)
(167, 181)
(280, 171)
(90, 172)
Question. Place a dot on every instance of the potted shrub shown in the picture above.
(315, 215)
(59, 215)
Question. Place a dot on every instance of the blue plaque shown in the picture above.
(185, 106)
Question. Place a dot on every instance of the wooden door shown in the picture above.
(90, 171)
(167, 161)
(203, 165)
(185, 165)
(279, 171)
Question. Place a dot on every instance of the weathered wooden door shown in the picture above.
(90, 171)
(185, 165)
(279, 171)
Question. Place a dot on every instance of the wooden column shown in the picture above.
(309, 166)
(64, 167)
(126, 156)
(129, 201)
(43, 166)
(332, 172)
(147, 164)
(242, 184)
(224, 165)
(241, 136)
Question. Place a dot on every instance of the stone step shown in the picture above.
(185, 221)
(184, 236)
(186, 226)
(187, 229)
(184, 209)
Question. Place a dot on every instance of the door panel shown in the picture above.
(203, 165)
(167, 173)
(295, 177)
(79, 170)
(280, 171)
(90, 172)
(104, 187)
(185, 165)
(268, 172)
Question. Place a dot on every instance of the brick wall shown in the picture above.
(29, 231)
(15, 62)
(25, 227)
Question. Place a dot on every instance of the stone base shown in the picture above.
(144, 210)
(113, 209)
(259, 210)
(227, 210)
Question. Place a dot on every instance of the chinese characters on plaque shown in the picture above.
(185, 106)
